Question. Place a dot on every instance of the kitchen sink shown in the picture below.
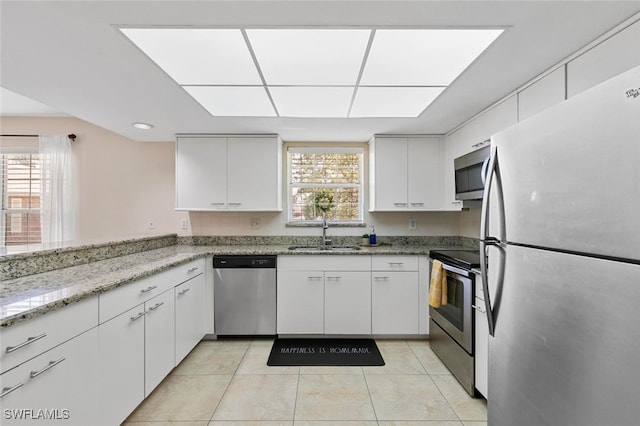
(319, 248)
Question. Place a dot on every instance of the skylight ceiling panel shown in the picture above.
(234, 101)
(198, 55)
(309, 56)
(312, 101)
(393, 101)
(407, 57)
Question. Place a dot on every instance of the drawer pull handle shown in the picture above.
(52, 364)
(137, 317)
(400, 204)
(25, 343)
(183, 292)
(217, 204)
(336, 278)
(156, 306)
(396, 263)
(314, 278)
(192, 270)
(417, 204)
(8, 390)
(148, 289)
(479, 309)
(381, 278)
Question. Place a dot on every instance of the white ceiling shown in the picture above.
(71, 57)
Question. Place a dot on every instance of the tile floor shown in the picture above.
(228, 383)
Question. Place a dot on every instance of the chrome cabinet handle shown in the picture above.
(235, 204)
(417, 204)
(400, 204)
(314, 278)
(7, 390)
(336, 278)
(51, 364)
(217, 204)
(148, 289)
(137, 317)
(192, 270)
(381, 278)
(156, 306)
(25, 343)
(396, 263)
(183, 292)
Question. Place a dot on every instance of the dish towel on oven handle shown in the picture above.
(437, 285)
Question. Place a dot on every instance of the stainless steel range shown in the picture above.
(451, 327)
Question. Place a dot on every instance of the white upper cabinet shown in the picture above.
(229, 173)
(405, 173)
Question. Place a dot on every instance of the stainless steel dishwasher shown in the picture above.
(245, 295)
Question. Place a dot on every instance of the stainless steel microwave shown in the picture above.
(470, 172)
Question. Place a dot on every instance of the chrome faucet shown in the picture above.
(325, 225)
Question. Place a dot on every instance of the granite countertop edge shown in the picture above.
(58, 288)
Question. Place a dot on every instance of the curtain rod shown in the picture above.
(70, 136)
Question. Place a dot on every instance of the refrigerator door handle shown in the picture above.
(486, 240)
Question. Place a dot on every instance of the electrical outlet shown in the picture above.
(412, 223)
(184, 224)
(254, 223)
(151, 224)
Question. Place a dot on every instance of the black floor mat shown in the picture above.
(325, 352)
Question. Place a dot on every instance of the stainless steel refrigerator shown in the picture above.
(561, 230)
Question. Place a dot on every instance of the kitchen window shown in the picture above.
(329, 176)
(20, 176)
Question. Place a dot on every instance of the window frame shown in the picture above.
(5, 208)
(329, 148)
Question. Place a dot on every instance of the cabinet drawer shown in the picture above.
(117, 301)
(325, 262)
(30, 338)
(394, 263)
(182, 273)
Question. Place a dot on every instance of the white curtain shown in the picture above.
(58, 189)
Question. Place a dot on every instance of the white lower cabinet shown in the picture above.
(159, 339)
(347, 302)
(395, 303)
(58, 386)
(121, 355)
(190, 315)
(300, 302)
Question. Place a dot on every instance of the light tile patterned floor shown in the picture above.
(228, 383)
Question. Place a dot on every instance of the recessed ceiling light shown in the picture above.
(143, 126)
(313, 72)
(393, 101)
(312, 101)
(311, 57)
(234, 101)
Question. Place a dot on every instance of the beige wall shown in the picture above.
(121, 183)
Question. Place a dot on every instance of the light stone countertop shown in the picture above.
(34, 295)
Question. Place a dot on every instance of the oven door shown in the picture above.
(456, 316)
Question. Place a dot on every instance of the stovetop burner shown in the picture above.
(466, 259)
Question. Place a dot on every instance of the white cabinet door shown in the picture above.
(62, 381)
(159, 339)
(389, 174)
(300, 302)
(201, 173)
(347, 302)
(253, 173)
(190, 315)
(121, 355)
(395, 303)
(424, 174)
(405, 174)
